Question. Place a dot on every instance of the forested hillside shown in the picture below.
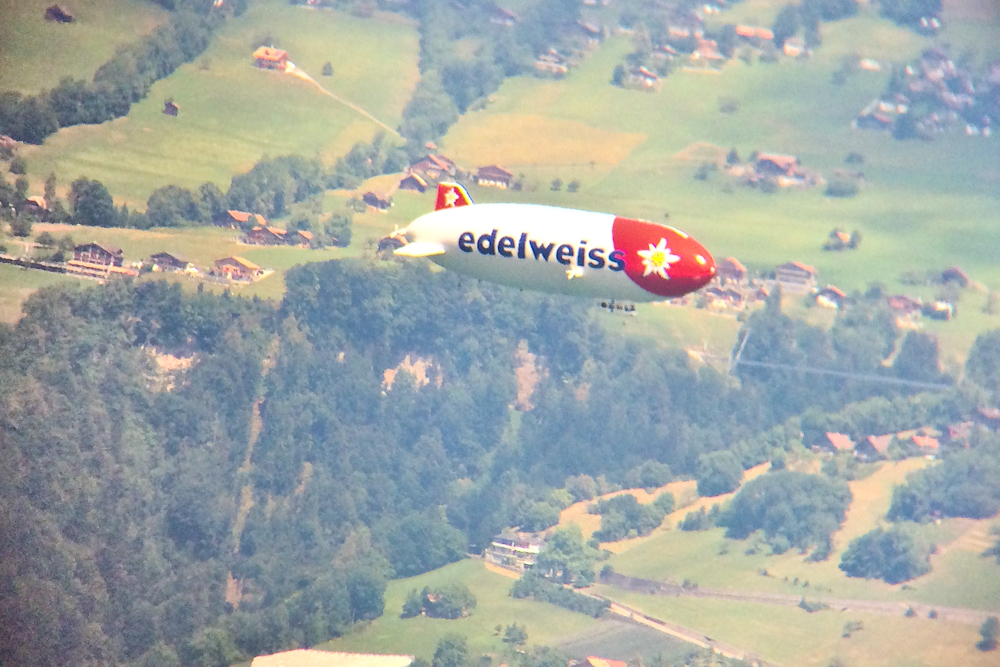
(133, 490)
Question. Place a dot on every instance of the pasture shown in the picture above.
(791, 636)
(925, 205)
(20, 283)
(546, 624)
(36, 54)
(232, 113)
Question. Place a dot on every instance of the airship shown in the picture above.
(557, 250)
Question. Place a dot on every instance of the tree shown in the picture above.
(327, 69)
(918, 358)
(92, 204)
(21, 225)
(891, 555)
(566, 557)
(983, 363)
(988, 632)
(452, 651)
(785, 25)
(718, 473)
(618, 76)
(516, 635)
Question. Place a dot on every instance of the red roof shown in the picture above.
(840, 442)
(880, 443)
(270, 53)
(594, 661)
(925, 442)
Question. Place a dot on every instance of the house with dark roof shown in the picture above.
(267, 235)
(773, 164)
(795, 277)
(730, 269)
(494, 176)
(164, 261)
(831, 297)
(98, 253)
(237, 268)
(414, 183)
(377, 202)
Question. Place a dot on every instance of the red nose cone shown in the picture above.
(661, 259)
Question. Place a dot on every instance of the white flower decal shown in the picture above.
(657, 259)
(450, 197)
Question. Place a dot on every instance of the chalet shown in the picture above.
(831, 297)
(754, 35)
(310, 657)
(730, 270)
(926, 443)
(772, 164)
(242, 219)
(513, 551)
(36, 205)
(267, 235)
(876, 446)
(989, 417)
(171, 108)
(551, 62)
(268, 57)
(97, 253)
(955, 275)
(839, 442)
(904, 305)
(58, 14)
(237, 268)
(591, 30)
(433, 167)
(377, 202)
(164, 261)
(642, 78)
(724, 296)
(795, 47)
(939, 310)
(414, 183)
(494, 176)
(707, 52)
(304, 237)
(795, 277)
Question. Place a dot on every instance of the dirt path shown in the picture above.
(298, 73)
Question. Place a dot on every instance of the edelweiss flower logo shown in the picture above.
(450, 197)
(657, 259)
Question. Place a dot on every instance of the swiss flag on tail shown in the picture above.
(451, 195)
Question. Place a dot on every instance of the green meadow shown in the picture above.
(36, 54)
(546, 624)
(232, 113)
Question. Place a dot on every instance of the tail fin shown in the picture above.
(451, 195)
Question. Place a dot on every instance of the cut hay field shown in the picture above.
(960, 577)
(36, 54)
(792, 636)
(232, 113)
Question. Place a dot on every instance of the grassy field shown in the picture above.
(928, 205)
(232, 113)
(960, 577)
(791, 636)
(546, 624)
(35, 54)
(17, 284)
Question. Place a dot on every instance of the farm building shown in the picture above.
(831, 297)
(730, 270)
(303, 237)
(96, 253)
(772, 164)
(795, 277)
(594, 661)
(242, 219)
(642, 77)
(433, 167)
(414, 183)
(268, 57)
(876, 446)
(514, 552)
(164, 261)
(494, 176)
(171, 108)
(267, 235)
(377, 202)
(307, 657)
(237, 268)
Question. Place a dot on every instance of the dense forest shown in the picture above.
(278, 459)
